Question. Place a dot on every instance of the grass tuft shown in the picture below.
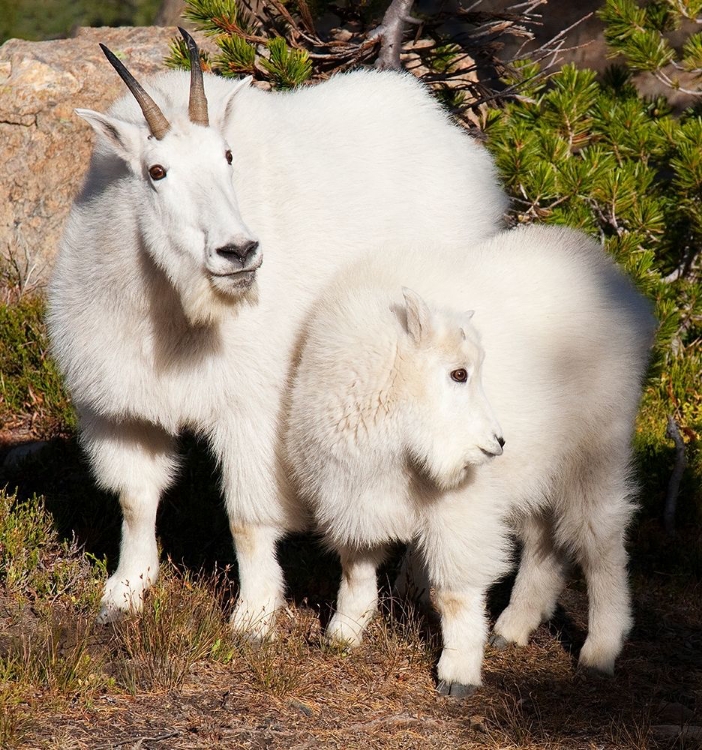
(181, 623)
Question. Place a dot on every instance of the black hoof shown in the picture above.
(455, 689)
(498, 642)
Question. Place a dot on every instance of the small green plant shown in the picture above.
(36, 564)
(639, 34)
(242, 50)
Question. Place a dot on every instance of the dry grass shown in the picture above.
(180, 625)
(173, 677)
(174, 673)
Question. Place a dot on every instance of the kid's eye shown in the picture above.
(157, 172)
(460, 375)
(228, 155)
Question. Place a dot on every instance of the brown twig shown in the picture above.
(671, 498)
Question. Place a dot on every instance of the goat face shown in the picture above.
(182, 194)
(452, 426)
(190, 215)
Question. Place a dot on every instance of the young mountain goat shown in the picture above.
(204, 230)
(390, 436)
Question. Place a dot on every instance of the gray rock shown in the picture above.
(44, 146)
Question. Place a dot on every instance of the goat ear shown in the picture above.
(418, 316)
(240, 85)
(122, 137)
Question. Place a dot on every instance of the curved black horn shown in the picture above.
(197, 107)
(158, 124)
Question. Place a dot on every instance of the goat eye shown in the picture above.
(229, 156)
(460, 376)
(157, 172)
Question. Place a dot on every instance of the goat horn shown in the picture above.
(197, 107)
(155, 119)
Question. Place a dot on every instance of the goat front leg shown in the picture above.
(136, 460)
(464, 632)
(466, 548)
(260, 580)
(357, 600)
(260, 503)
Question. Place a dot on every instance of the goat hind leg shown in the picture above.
(603, 560)
(539, 581)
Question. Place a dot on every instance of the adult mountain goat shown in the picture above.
(391, 436)
(211, 216)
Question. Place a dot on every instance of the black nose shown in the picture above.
(242, 252)
(501, 441)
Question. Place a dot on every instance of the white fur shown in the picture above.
(152, 334)
(379, 443)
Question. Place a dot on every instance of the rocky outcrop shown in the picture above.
(44, 146)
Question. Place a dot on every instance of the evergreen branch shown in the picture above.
(233, 29)
(670, 83)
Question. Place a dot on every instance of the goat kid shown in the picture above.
(391, 436)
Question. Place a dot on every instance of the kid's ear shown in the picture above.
(418, 317)
(240, 85)
(122, 137)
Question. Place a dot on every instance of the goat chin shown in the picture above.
(209, 301)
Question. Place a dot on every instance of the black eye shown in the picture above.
(157, 172)
(460, 376)
(229, 156)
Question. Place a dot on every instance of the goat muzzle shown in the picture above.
(244, 253)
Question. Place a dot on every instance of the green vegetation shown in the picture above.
(30, 385)
(597, 155)
(51, 19)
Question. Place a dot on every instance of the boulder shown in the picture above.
(44, 146)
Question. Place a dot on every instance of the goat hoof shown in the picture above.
(455, 689)
(498, 642)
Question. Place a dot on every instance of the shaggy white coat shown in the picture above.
(383, 451)
(154, 337)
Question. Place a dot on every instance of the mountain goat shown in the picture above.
(391, 437)
(211, 215)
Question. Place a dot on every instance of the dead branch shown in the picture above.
(671, 498)
(390, 32)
